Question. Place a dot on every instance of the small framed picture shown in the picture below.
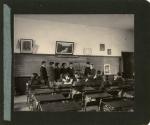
(106, 69)
(109, 51)
(26, 45)
(64, 48)
(102, 47)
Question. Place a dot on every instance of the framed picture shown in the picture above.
(106, 69)
(109, 51)
(64, 48)
(102, 47)
(26, 45)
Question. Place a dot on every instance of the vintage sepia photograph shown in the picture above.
(77, 63)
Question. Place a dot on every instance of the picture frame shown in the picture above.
(109, 51)
(102, 47)
(64, 48)
(107, 69)
(26, 45)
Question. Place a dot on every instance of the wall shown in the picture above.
(45, 30)
(26, 64)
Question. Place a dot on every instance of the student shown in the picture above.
(43, 73)
(57, 71)
(92, 70)
(99, 80)
(70, 70)
(51, 74)
(76, 79)
(35, 80)
(87, 69)
(66, 79)
(63, 69)
(119, 77)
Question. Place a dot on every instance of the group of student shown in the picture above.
(61, 73)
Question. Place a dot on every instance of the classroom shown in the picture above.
(73, 62)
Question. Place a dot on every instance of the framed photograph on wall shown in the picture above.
(107, 69)
(26, 45)
(102, 47)
(64, 48)
(109, 51)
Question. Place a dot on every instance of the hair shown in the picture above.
(35, 75)
(56, 64)
(51, 63)
(87, 62)
(43, 62)
(70, 63)
(98, 72)
(119, 74)
(63, 64)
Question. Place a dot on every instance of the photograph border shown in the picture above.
(140, 9)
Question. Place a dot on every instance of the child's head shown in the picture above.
(98, 73)
(34, 75)
(76, 75)
(43, 63)
(66, 76)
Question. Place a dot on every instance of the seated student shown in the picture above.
(35, 80)
(107, 83)
(66, 79)
(124, 94)
(99, 80)
(119, 80)
(76, 79)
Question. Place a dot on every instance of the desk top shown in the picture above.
(88, 89)
(99, 95)
(42, 91)
(119, 103)
(49, 98)
(60, 107)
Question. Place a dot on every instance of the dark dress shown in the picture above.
(43, 74)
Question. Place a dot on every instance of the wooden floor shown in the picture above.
(20, 104)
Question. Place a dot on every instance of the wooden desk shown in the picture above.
(42, 91)
(60, 107)
(49, 98)
(118, 105)
(99, 95)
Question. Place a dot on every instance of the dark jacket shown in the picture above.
(63, 71)
(43, 73)
(70, 71)
(57, 73)
(87, 71)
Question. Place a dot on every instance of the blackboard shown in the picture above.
(26, 64)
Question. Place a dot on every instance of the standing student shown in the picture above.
(63, 69)
(57, 71)
(92, 71)
(51, 74)
(43, 73)
(70, 70)
(87, 69)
